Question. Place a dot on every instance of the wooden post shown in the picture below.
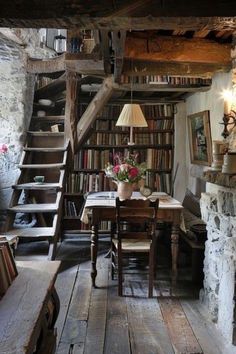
(71, 109)
(93, 109)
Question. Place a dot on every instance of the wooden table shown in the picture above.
(29, 309)
(100, 206)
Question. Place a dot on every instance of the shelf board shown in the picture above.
(146, 117)
(149, 131)
(73, 194)
(144, 146)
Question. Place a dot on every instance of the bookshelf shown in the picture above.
(153, 144)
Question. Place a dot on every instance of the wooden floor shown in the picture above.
(97, 321)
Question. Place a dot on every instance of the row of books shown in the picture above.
(165, 79)
(8, 270)
(109, 125)
(159, 159)
(100, 139)
(153, 111)
(159, 182)
(82, 182)
(97, 159)
(70, 208)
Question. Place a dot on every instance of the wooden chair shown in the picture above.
(136, 233)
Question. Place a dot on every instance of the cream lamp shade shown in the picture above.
(131, 116)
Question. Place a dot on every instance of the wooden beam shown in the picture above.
(175, 49)
(71, 108)
(41, 66)
(118, 15)
(118, 42)
(144, 67)
(93, 109)
(106, 48)
(86, 64)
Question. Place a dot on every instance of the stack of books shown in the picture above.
(8, 270)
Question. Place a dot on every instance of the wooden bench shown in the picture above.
(29, 309)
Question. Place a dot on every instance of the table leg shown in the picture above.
(174, 250)
(94, 251)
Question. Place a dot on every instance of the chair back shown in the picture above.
(136, 218)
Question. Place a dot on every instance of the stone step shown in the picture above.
(48, 119)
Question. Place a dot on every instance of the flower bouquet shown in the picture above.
(125, 169)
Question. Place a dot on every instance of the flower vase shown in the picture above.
(124, 190)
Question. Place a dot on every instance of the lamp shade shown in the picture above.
(131, 116)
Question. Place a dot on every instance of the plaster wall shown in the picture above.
(210, 100)
(16, 100)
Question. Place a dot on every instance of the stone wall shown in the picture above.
(16, 100)
(218, 208)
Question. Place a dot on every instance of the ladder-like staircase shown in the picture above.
(45, 154)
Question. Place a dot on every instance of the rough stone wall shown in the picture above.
(16, 99)
(218, 207)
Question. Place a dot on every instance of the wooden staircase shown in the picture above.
(45, 153)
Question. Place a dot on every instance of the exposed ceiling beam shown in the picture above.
(122, 14)
(118, 42)
(174, 48)
(40, 66)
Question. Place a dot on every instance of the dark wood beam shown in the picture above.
(144, 46)
(93, 109)
(105, 38)
(144, 67)
(71, 108)
(122, 14)
(118, 42)
(87, 64)
(39, 66)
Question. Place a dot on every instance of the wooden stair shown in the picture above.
(45, 153)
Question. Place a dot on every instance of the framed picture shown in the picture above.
(200, 138)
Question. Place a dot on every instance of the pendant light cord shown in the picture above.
(131, 82)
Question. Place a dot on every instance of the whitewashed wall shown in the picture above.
(189, 175)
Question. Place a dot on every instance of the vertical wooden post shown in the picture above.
(233, 57)
(71, 109)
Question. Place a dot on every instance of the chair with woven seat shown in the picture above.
(135, 233)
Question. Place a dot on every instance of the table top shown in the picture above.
(108, 200)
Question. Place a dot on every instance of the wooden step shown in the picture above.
(31, 232)
(51, 134)
(35, 186)
(42, 166)
(34, 208)
(32, 149)
(48, 119)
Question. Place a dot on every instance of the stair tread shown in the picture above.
(49, 118)
(59, 149)
(31, 232)
(35, 133)
(49, 165)
(34, 186)
(34, 208)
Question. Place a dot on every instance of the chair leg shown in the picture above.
(112, 260)
(120, 274)
(151, 272)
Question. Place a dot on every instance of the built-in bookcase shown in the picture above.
(153, 145)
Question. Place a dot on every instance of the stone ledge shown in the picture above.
(220, 178)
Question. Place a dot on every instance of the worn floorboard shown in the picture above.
(181, 333)
(98, 321)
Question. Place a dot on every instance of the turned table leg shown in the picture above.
(174, 250)
(94, 250)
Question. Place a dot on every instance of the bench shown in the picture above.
(29, 309)
(193, 234)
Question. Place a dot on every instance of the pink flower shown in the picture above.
(116, 169)
(133, 172)
(3, 148)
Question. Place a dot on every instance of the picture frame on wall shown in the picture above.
(200, 138)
